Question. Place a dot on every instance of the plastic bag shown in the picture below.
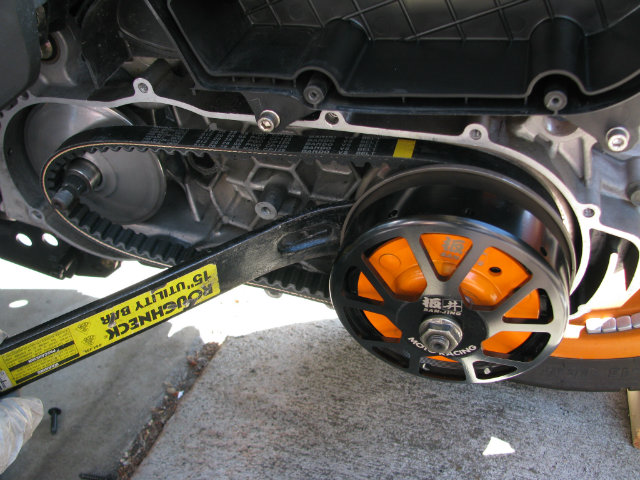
(19, 417)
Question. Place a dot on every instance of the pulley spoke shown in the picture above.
(494, 319)
(434, 284)
(360, 303)
(414, 364)
(393, 346)
(468, 262)
(374, 278)
(515, 298)
(469, 371)
(529, 327)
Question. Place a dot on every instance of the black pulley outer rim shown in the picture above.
(349, 306)
(462, 177)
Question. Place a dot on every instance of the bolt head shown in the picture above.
(555, 100)
(268, 121)
(440, 334)
(618, 139)
(266, 125)
(438, 343)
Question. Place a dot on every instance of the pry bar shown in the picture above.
(85, 331)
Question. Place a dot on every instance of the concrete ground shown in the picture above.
(306, 402)
(285, 399)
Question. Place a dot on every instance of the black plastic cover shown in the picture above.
(436, 49)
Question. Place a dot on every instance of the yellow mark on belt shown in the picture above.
(404, 148)
(95, 332)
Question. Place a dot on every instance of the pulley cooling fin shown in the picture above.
(454, 273)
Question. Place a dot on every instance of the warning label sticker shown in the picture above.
(109, 326)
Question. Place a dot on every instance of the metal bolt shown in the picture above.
(555, 100)
(475, 134)
(440, 334)
(438, 343)
(54, 412)
(588, 212)
(618, 139)
(81, 177)
(316, 90)
(91, 476)
(268, 121)
(143, 87)
(272, 198)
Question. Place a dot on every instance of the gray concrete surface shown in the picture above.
(306, 402)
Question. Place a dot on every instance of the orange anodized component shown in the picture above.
(396, 265)
(490, 281)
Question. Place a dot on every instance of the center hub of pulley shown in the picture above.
(469, 281)
(440, 335)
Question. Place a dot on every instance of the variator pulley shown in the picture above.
(455, 273)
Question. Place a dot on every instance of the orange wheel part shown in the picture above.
(478, 307)
(491, 279)
(396, 264)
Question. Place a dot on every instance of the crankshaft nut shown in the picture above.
(440, 334)
(438, 343)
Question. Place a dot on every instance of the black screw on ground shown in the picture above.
(91, 476)
(54, 412)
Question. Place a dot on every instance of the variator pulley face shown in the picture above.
(452, 297)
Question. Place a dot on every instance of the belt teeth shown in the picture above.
(361, 151)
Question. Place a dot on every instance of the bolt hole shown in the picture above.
(588, 212)
(543, 251)
(50, 239)
(393, 214)
(332, 118)
(495, 270)
(475, 134)
(24, 239)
